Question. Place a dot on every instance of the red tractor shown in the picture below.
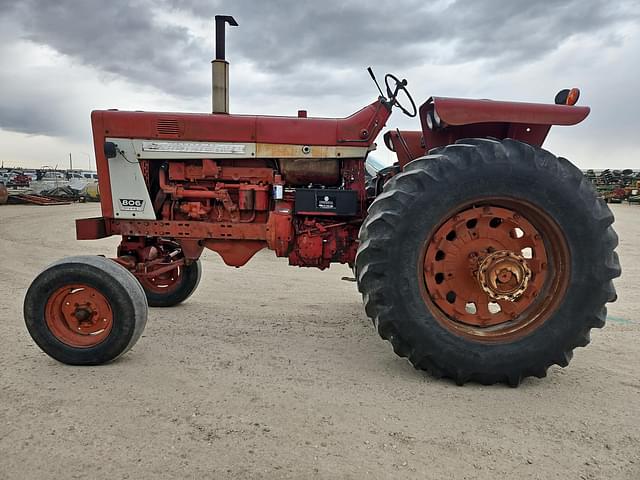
(479, 255)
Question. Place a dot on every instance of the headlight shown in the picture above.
(430, 120)
(438, 121)
(433, 120)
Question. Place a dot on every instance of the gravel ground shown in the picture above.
(275, 372)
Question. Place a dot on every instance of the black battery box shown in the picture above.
(326, 201)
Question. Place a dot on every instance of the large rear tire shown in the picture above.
(487, 261)
(85, 310)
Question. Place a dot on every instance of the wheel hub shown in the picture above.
(83, 314)
(504, 275)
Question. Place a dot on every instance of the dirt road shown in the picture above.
(271, 371)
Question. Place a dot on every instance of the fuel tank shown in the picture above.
(299, 172)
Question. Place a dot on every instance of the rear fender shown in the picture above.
(407, 145)
(464, 118)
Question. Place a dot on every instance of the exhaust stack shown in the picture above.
(220, 68)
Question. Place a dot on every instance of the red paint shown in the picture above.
(465, 118)
(235, 253)
(91, 228)
(78, 315)
(206, 127)
(406, 144)
(462, 111)
(318, 244)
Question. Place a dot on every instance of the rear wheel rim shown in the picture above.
(79, 316)
(494, 270)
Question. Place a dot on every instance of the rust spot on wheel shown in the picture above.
(495, 270)
(79, 316)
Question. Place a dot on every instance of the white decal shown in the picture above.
(131, 205)
(195, 147)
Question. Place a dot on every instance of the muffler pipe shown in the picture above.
(220, 67)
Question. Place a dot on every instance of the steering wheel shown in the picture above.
(399, 86)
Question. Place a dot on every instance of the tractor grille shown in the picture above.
(168, 127)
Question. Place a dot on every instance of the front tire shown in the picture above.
(487, 222)
(85, 310)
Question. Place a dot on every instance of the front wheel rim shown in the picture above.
(494, 270)
(79, 316)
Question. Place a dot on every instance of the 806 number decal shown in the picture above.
(131, 204)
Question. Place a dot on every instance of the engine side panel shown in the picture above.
(129, 193)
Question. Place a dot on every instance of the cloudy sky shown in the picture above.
(61, 59)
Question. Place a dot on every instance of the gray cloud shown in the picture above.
(119, 37)
(281, 35)
(288, 38)
(518, 31)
